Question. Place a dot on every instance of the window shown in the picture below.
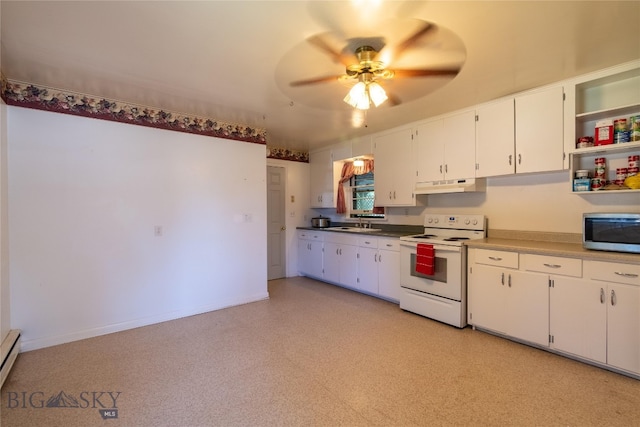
(362, 197)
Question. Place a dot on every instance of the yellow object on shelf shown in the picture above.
(633, 182)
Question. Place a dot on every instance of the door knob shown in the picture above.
(283, 228)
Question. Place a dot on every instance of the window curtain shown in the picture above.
(348, 171)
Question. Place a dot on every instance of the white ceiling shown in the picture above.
(233, 60)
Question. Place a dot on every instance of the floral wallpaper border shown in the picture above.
(287, 154)
(49, 99)
(44, 98)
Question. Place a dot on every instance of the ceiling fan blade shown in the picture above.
(319, 42)
(425, 72)
(315, 80)
(424, 29)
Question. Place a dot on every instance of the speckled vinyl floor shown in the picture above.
(311, 355)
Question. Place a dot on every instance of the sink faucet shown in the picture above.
(359, 222)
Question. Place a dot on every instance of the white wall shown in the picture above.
(5, 312)
(85, 197)
(5, 320)
(529, 202)
(298, 213)
(533, 202)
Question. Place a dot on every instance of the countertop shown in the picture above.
(396, 231)
(563, 249)
(541, 243)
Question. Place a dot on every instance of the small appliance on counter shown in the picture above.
(617, 232)
(320, 222)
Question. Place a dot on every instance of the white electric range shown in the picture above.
(441, 296)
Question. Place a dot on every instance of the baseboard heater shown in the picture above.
(9, 350)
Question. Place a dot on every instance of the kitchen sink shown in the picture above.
(354, 229)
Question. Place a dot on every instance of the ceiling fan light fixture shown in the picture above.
(365, 93)
(377, 93)
(358, 96)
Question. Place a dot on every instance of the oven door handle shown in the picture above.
(441, 248)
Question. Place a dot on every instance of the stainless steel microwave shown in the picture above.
(618, 232)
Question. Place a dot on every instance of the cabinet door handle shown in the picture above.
(502, 279)
(552, 265)
(495, 258)
(601, 295)
(519, 159)
(446, 168)
(510, 159)
(614, 299)
(620, 273)
(440, 168)
(337, 252)
(509, 280)
(394, 194)
(389, 195)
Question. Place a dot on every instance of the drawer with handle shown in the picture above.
(389, 244)
(497, 258)
(553, 265)
(612, 272)
(368, 242)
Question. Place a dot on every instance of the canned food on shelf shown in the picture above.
(597, 184)
(619, 125)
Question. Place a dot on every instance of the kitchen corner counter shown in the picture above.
(554, 248)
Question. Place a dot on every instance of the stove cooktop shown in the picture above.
(450, 229)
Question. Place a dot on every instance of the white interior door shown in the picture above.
(276, 253)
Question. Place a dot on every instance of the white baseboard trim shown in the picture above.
(38, 343)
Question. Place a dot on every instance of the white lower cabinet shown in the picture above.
(310, 245)
(379, 267)
(578, 318)
(596, 318)
(365, 263)
(506, 300)
(389, 269)
(587, 309)
(340, 259)
(621, 286)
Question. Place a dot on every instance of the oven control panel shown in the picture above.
(460, 222)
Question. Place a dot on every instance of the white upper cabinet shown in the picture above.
(430, 151)
(394, 168)
(341, 151)
(361, 146)
(321, 176)
(445, 148)
(539, 130)
(521, 134)
(496, 138)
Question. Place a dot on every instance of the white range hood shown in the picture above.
(451, 186)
